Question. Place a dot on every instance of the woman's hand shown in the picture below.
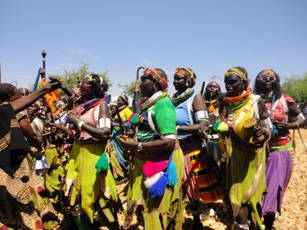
(258, 133)
(282, 126)
(72, 118)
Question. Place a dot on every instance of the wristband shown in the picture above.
(79, 124)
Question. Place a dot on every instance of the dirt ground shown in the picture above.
(294, 208)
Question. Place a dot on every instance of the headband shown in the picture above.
(124, 98)
(237, 72)
(266, 72)
(162, 81)
(186, 73)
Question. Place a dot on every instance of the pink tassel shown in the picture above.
(151, 168)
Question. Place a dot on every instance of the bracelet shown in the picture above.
(79, 124)
(177, 128)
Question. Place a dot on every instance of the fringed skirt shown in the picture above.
(245, 176)
(89, 187)
(159, 212)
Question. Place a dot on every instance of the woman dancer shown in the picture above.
(191, 119)
(91, 188)
(249, 129)
(285, 115)
(156, 175)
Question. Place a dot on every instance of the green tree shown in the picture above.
(71, 78)
(128, 89)
(295, 86)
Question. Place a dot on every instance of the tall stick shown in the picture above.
(136, 94)
(202, 88)
(43, 71)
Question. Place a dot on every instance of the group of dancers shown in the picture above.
(177, 153)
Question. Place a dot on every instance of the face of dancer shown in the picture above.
(16, 95)
(120, 102)
(147, 86)
(33, 109)
(234, 85)
(266, 83)
(86, 90)
(113, 110)
(179, 83)
(212, 89)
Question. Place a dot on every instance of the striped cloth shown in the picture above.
(278, 173)
(199, 179)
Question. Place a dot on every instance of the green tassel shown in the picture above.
(103, 163)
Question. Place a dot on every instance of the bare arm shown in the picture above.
(24, 102)
(30, 134)
(198, 105)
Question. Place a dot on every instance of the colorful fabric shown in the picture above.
(279, 164)
(154, 73)
(278, 172)
(90, 186)
(162, 110)
(185, 115)
(91, 191)
(22, 204)
(81, 109)
(158, 212)
(199, 180)
(245, 167)
(12, 141)
(51, 179)
(161, 211)
(124, 113)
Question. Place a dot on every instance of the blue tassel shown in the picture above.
(172, 174)
(157, 189)
(103, 163)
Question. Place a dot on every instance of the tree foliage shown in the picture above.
(71, 78)
(296, 87)
(128, 89)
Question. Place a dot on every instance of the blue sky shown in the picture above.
(208, 36)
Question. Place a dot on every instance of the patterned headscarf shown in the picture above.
(238, 71)
(188, 74)
(159, 76)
